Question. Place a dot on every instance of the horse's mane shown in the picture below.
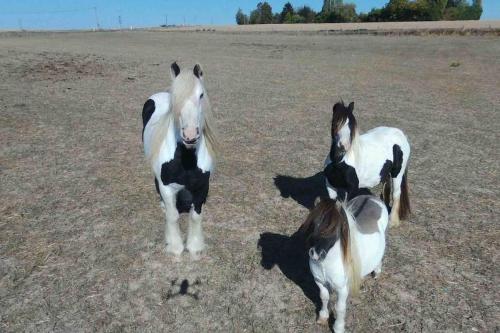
(327, 220)
(182, 86)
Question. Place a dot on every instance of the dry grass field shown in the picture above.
(81, 230)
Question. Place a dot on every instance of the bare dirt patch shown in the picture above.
(81, 231)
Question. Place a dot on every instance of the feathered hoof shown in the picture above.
(175, 249)
(322, 321)
(394, 222)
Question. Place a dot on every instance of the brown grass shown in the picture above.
(81, 231)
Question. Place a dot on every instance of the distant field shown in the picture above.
(81, 229)
(414, 27)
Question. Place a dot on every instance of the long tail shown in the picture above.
(349, 250)
(404, 201)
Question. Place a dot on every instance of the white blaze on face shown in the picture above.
(344, 136)
(190, 119)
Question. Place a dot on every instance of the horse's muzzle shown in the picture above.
(190, 143)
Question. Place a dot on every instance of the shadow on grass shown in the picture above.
(290, 255)
(303, 190)
(183, 288)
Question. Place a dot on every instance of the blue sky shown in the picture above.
(78, 14)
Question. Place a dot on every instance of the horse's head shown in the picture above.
(325, 225)
(343, 130)
(189, 101)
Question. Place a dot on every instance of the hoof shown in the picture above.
(394, 223)
(195, 248)
(175, 249)
(195, 256)
(322, 321)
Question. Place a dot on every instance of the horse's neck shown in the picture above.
(353, 156)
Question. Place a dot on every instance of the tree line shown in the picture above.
(335, 11)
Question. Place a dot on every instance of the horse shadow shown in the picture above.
(303, 190)
(306, 190)
(290, 255)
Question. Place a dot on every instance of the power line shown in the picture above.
(96, 18)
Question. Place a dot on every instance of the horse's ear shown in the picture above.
(197, 71)
(337, 107)
(350, 108)
(174, 70)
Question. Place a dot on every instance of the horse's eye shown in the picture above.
(201, 96)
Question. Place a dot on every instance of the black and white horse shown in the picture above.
(363, 161)
(346, 242)
(179, 145)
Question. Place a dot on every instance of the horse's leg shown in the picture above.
(173, 239)
(325, 298)
(396, 194)
(378, 270)
(340, 309)
(195, 240)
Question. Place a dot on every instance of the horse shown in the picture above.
(180, 147)
(363, 161)
(346, 242)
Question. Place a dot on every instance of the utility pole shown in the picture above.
(96, 19)
(166, 20)
(120, 21)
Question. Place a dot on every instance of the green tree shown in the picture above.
(263, 14)
(342, 13)
(329, 5)
(307, 14)
(287, 12)
(241, 18)
(462, 10)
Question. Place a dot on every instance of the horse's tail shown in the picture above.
(404, 201)
(350, 253)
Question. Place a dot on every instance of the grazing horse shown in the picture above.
(179, 145)
(346, 243)
(363, 161)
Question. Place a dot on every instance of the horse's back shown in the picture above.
(371, 219)
(370, 214)
(388, 136)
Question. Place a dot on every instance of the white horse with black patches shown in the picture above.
(363, 161)
(346, 243)
(179, 145)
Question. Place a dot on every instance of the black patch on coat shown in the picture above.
(184, 200)
(359, 192)
(157, 185)
(147, 112)
(182, 169)
(397, 158)
(343, 178)
(386, 171)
